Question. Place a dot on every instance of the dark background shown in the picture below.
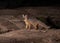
(28, 3)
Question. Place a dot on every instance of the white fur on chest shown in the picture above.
(27, 22)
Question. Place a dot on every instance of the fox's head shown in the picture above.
(24, 16)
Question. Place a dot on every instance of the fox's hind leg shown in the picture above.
(36, 26)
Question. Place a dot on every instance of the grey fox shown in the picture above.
(34, 22)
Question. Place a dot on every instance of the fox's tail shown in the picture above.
(44, 25)
(48, 27)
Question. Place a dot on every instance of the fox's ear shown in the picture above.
(23, 15)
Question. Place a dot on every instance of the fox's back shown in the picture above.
(35, 22)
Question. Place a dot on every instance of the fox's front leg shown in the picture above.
(26, 26)
(29, 26)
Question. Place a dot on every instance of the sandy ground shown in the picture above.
(19, 34)
(31, 36)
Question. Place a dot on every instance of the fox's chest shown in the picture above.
(27, 22)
